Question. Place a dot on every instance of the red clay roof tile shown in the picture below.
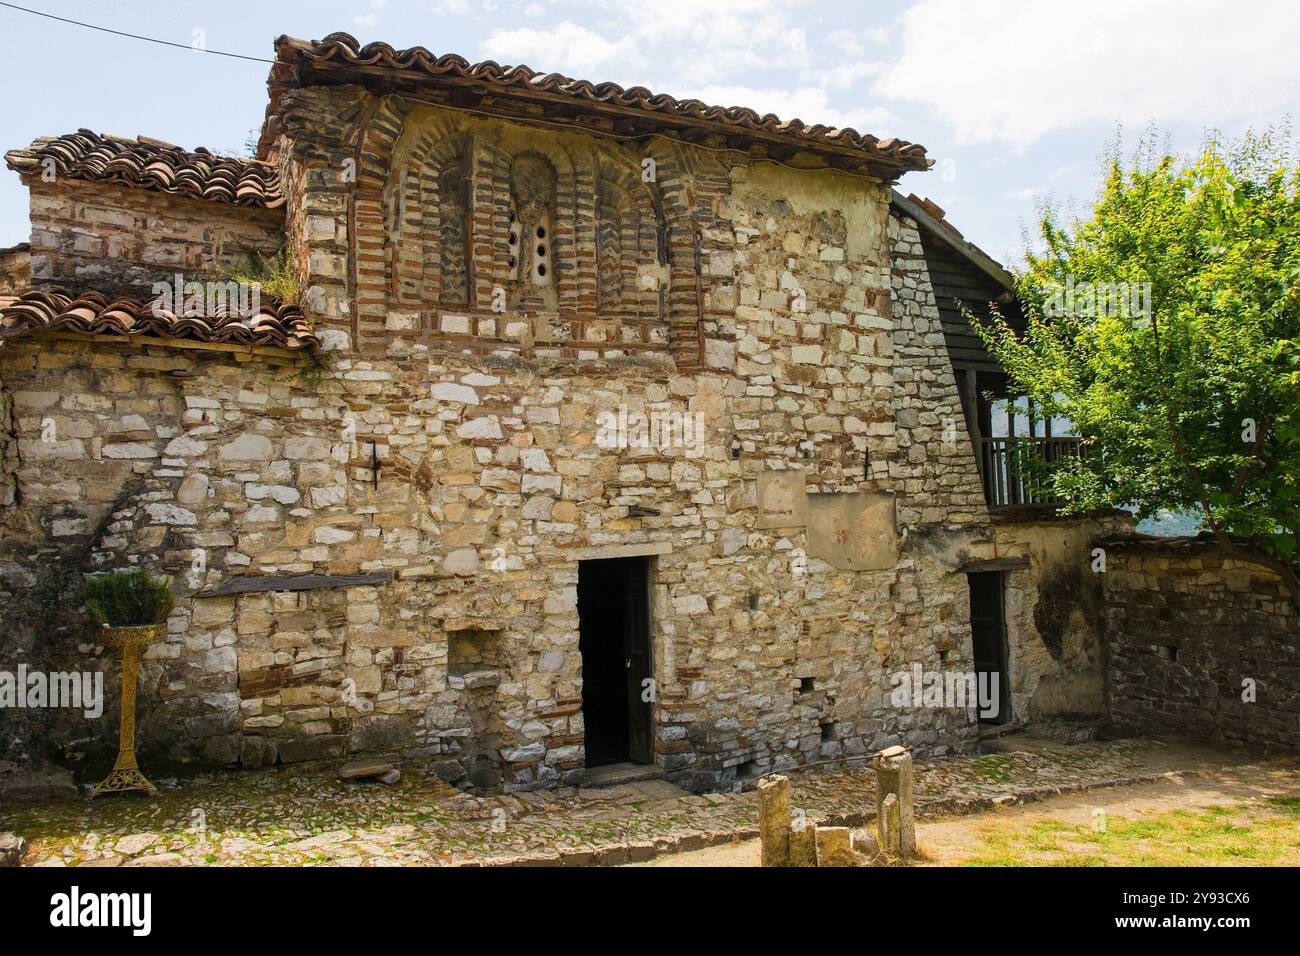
(296, 58)
(153, 164)
(277, 326)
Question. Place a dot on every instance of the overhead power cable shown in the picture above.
(258, 59)
(136, 36)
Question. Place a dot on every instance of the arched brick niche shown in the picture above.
(426, 203)
(497, 235)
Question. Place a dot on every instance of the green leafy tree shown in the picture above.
(1166, 326)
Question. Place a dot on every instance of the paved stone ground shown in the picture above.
(300, 817)
(964, 840)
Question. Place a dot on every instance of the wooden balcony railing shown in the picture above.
(1005, 483)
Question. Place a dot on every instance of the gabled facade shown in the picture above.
(606, 428)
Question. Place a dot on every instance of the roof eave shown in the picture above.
(967, 250)
(298, 65)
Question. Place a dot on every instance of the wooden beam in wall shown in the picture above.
(253, 583)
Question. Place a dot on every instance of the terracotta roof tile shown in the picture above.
(153, 164)
(280, 326)
(341, 50)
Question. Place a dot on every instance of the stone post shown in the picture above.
(803, 844)
(887, 825)
(774, 820)
(835, 847)
(896, 824)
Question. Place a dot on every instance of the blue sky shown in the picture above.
(1014, 99)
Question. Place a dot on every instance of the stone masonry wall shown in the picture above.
(481, 500)
(1200, 646)
(935, 458)
(1055, 617)
(15, 270)
(466, 463)
(118, 240)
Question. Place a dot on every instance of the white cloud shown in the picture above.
(709, 41)
(721, 22)
(842, 77)
(566, 48)
(1015, 70)
(371, 16)
(749, 53)
(846, 41)
(810, 104)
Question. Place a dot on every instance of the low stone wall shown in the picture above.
(1200, 646)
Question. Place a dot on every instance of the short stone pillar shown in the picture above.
(803, 843)
(887, 825)
(896, 818)
(774, 820)
(835, 847)
(12, 847)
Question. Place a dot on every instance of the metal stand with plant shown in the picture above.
(131, 607)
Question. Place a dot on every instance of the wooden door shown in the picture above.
(640, 668)
(989, 639)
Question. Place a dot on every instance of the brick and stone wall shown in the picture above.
(15, 270)
(457, 451)
(1191, 637)
(8, 450)
(119, 240)
(444, 476)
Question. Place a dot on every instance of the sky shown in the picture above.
(1015, 100)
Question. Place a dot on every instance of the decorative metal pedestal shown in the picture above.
(125, 775)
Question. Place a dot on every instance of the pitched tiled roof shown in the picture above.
(279, 326)
(153, 164)
(340, 52)
(930, 216)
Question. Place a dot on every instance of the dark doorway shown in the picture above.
(614, 638)
(989, 640)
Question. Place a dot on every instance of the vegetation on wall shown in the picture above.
(274, 276)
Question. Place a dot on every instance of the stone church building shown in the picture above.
(603, 428)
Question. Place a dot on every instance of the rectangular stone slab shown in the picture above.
(853, 531)
(782, 502)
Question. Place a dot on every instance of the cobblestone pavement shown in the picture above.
(299, 817)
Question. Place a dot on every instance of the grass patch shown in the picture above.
(1262, 835)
